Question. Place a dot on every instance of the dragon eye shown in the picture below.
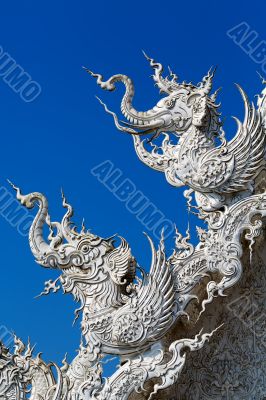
(85, 248)
(170, 103)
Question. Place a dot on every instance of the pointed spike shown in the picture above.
(102, 103)
(215, 94)
(212, 71)
(88, 71)
(146, 56)
(64, 198)
(65, 202)
(206, 84)
(172, 75)
(16, 188)
(12, 184)
(262, 79)
(83, 228)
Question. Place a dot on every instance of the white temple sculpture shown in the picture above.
(126, 311)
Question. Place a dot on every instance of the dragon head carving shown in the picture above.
(91, 266)
(100, 276)
(183, 105)
(215, 170)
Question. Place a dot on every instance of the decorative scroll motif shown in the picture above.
(151, 364)
(126, 311)
(192, 155)
(233, 367)
(21, 374)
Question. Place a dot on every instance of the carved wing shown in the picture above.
(151, 311)
(232, 166)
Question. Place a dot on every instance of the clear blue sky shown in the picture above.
(54, 141)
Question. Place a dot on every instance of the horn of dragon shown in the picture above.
(164, 84)
(207, 81)
(67, 226)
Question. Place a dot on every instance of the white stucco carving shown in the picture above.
(126, 311)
